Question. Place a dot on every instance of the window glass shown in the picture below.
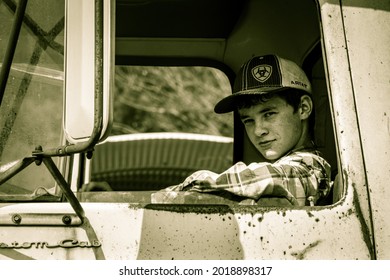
(30, 113)
(170, 99)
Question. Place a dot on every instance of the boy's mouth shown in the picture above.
(265, 144)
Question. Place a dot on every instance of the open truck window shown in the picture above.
(165, 129)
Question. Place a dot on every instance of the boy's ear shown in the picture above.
(306, 107)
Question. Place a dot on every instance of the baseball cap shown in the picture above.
(264, 74)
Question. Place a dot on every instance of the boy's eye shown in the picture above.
(269, 114)
(247, 121)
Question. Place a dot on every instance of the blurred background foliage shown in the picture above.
(170, 99)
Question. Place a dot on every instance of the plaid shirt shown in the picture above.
(301, 177)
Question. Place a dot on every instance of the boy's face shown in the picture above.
(274, 128)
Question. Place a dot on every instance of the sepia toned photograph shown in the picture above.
(195, 130)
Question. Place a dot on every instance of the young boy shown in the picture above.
(272, 96)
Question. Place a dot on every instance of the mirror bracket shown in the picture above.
(18, 166)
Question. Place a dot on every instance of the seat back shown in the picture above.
(152, 161)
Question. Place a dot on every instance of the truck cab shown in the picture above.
(104, 103)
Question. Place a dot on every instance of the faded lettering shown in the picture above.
(66, 243)
(298, 83)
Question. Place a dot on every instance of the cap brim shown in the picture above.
(229, 103)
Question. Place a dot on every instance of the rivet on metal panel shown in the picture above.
(66, 219)
(17, 219)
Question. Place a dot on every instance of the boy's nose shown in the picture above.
(260, 129)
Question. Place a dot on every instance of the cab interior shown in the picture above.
(224, 34)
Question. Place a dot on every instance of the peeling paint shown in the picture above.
(364, 228)
(300, 255)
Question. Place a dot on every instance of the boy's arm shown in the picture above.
(298, 177)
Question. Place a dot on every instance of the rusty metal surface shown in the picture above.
(357, 33)
(344, 113)
(368, 40)
(134, 231)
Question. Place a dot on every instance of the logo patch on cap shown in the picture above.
(262, 72)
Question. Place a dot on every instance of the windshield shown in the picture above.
(31, 107)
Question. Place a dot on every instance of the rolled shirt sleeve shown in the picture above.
(300, 177)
